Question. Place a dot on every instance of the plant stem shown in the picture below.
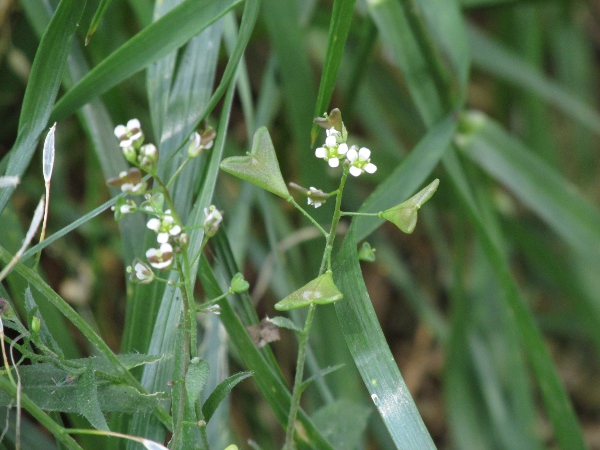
(360, 214)
(302, 344)
(308, 216)
(297, 392)
(337, 213)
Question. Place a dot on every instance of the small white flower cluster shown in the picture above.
(165, 227)
(336, 149)
(168, 233)
(131, 138)
(333, 150)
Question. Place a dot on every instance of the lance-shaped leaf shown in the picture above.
(321, 290)
(260, 166)
(404, 216)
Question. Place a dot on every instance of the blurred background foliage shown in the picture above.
(532, 168)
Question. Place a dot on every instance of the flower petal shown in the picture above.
(343, 149)
(370, 168)
(153, 224)
(330, 141)
(364, 153)
(333, 162)
(355, 171)
(352, 155)
(320, 152)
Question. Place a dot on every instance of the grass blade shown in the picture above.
(341, 18)
(539, 186)
(149, 45)
(372, 355)
(558, 406)
(492, 57)
(42, 87)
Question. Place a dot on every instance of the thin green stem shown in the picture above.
(337, 213)
(303, 341)
(359, 214)
(308, 216)
(178, 171)
(297, 392)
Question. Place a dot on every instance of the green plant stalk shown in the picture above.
(307, 215)
(337, 214)
(297, 392)
(44, 419)
(326, 262)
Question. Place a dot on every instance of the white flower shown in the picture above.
(160, 258)
(332, 152)
(165, 227)
(130, 136)
(316, 197)
(212, 220)
(360, 161)
(140, 272)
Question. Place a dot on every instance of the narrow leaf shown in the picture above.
(195, 379)
(372, 355)
(87, 399)
(341, 18)
(152, 43)
(534, 182)
(102, 7)
(220, 392)
(42, 86)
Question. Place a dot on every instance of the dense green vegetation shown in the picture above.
(479, 329)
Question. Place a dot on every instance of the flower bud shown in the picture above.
(212, 220)
(35, 325)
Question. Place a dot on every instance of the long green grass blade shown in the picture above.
(558, 406)
(540, 187)
(341, 18)
(149, 45)
(372, 355)
(42, 87)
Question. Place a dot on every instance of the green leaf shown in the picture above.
(87, 399)
(343, 422)
(152, 43)
(404, 216)
(321, 291)
(55, 389)
(260, 166)
(102, 7)
(195, 379)
(42, 87)
(284, 322)
(239, 284)
(372, 355)
(220, 392)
